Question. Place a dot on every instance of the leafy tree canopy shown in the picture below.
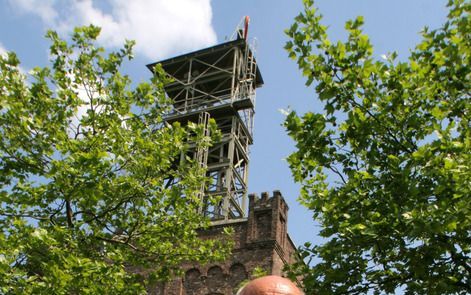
(84, 159)
(385, 168)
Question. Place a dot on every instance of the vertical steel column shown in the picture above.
(202, 154)
(234, 73)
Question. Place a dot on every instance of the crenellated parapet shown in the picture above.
(260, 241)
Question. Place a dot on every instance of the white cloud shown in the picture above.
(3, 51)
(160, 27)
(43, 8)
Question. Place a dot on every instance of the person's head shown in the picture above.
(270, 285)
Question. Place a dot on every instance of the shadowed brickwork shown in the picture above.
(261, 240)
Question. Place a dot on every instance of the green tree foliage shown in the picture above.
(84, 159)
(385, 167)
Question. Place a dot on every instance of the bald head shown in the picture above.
(270, 285)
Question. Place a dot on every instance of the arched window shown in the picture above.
(192, 281)
(215, 278)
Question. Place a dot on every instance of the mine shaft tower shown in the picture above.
(218, 82)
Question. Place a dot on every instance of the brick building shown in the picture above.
(261, 241)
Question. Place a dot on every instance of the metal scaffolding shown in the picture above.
(218, 82)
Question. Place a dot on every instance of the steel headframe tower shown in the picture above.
(219, 82)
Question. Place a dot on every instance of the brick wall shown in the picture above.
(261, 241)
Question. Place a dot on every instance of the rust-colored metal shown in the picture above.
(270, 285)
(246, 27)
